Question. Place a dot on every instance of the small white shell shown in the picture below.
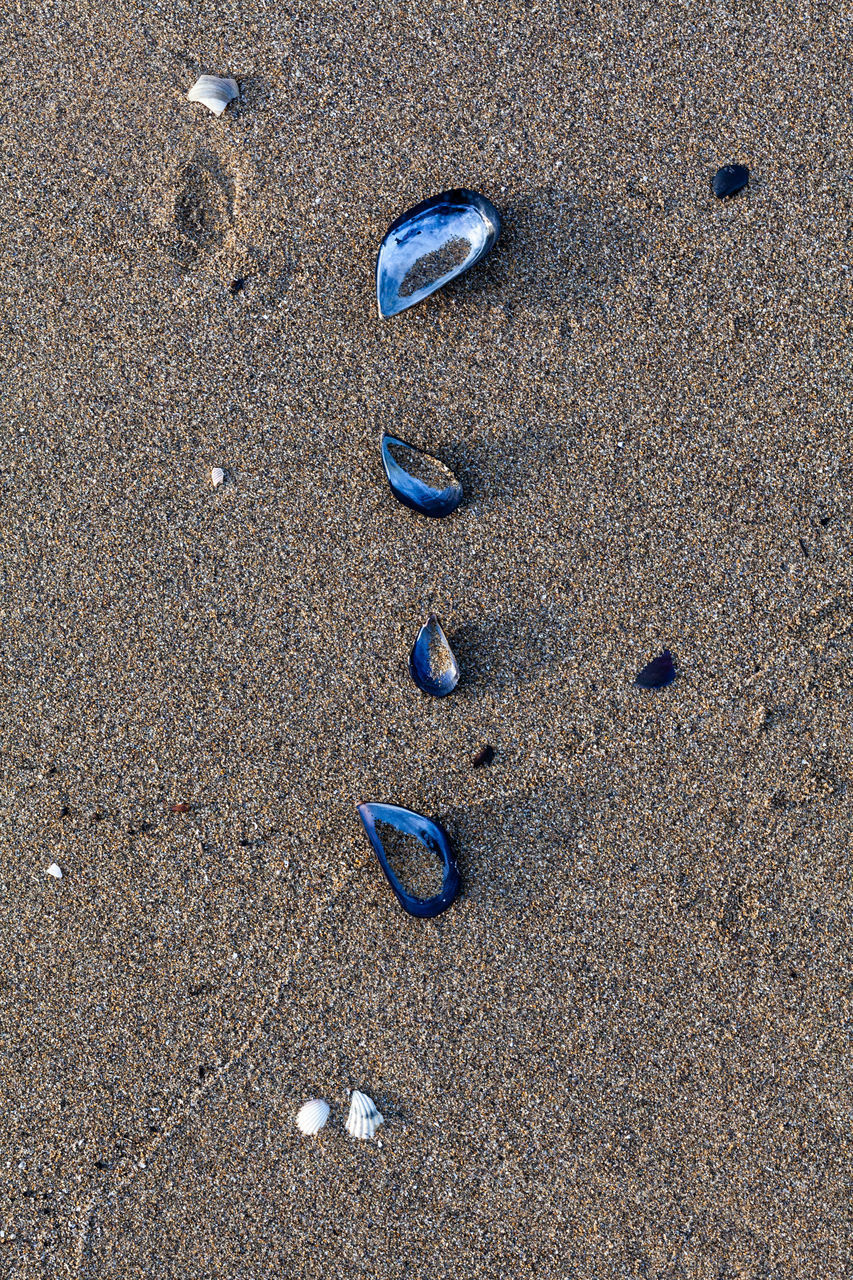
(363, 1119)
(214, 92)
(313, 1115)
(53, 870)
(217, 476)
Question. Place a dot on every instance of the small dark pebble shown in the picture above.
(236, 285)
(484, 756)
(729, 180)
(659, 672)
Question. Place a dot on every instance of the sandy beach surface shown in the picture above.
(625, 1050)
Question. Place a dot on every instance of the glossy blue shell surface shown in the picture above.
(432, 665)
(431, 836)
(430, 244)
(414, 492)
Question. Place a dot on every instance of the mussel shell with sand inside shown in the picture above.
(427, 833)
(418, 480)
(432, 243)
(432, 664)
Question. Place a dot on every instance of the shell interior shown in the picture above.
(429, 834)
(430, 244)
(432, 664)
(418, 480)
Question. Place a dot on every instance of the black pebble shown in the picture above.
(236, 285)
(729, 180)
(485, 755)
(657, 673)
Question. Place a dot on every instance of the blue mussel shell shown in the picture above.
(432, 665)
(432, 243)
(431, 836)
(409, 488)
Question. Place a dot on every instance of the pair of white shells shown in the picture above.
(214, 92)
(362, 1122)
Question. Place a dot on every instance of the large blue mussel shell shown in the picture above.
(418, 480)
(431, 244)
(431, 836)
(432, 665)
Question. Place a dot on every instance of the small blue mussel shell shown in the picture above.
(418, 480)
(431, 836)
(432, 243)
(729, 180)
(432, 665)
(657, 673)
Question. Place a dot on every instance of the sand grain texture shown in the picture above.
(625, 1050)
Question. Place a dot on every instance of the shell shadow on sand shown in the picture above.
(561, 251)
(500, 651)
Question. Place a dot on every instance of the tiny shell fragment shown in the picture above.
(312, 1116)
(53, 870)
(183, 807)
(217, 476)
(214, 92)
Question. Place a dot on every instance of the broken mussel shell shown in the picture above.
(729, 180)
(215, 92)
(431, 836)
(431, 244)
(418, 480)
(657, 673)
(432, 665)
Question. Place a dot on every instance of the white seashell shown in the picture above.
(53, 870)
(217, 476)
(313, 1115)
(214, 92)
(363, 1119)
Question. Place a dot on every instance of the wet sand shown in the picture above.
(625, 1050)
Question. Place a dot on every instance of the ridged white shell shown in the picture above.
(214, 92)
(217, 476)
(54, 870)
(313, 1115)
(363, 1119)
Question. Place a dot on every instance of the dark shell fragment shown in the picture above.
(485, 755)
(431, 836)
(432, 665)
(430, 244)
(661, 671)
(418, 480)
(729, 180)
